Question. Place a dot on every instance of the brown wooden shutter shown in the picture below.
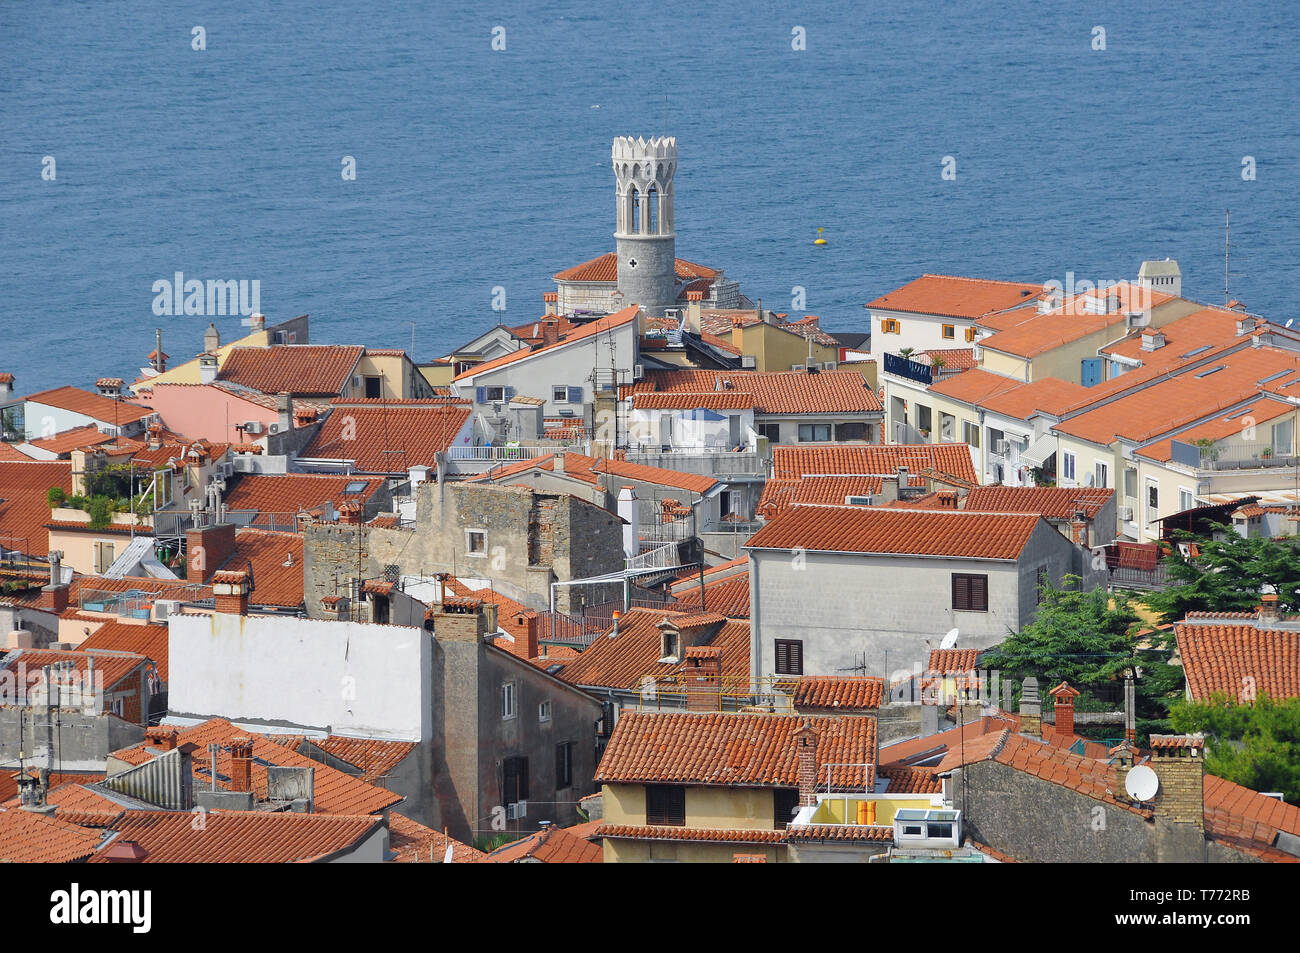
(960, 591)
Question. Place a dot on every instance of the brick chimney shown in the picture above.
(806, 740)
(551, 297)
(164, 739)
(350, 512)
(550, 331)
(1063, 696)
(206, 549)
(241, 764)
(703, 674)
(1179, 763)
(230, 591)
(1079, 528)
(1031, 708)
(54, 596)
(1268, 609)
(337, 607)
(155, 436)
(463, 620)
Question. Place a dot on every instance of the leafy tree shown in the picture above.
(1256, 745)
(100, 509)
(1227, 575)
(55, 496)
(1089, 639)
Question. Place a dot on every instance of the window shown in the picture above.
(671, 643)
(1130, 483)
(912, 829)
(853, 432)
(947, 426)
(890, 326)
(514, 780)
(789, 657)
(374, 387)
(495, 395)
(938, 831)
(813, 432)
(665, 805)
(924, 418)
(785, 801)
(1100, 475)
(970, 592)
(771, 431)
(1185, 499)
(476, 542)
(560, 395)
(564, 765)
(1153, 501)
(507, 701)
(544, 711)
(970, 335)
(104, 555)
(355, 488)
(970, 433)
(949, 332)
(1067, 466)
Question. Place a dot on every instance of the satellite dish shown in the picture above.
(1141, 783)
(949, 640)
(446, 858)
(1290, 321)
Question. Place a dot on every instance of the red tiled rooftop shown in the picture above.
(24, 511)
(952, 661)
(794, 462)
(96, 406)
(321, 370)
(416, 844)
(592, 470)
(954, 296)
(835, 693)
(605, 268)
(728, 596)
(389, 436)
(553, 845)
(147, 640)
(1050, 502)
(28, 838)
(277, 561)
(1239, 660)
(774, 392)
(285, 495)
(74, 439)
(585, 332)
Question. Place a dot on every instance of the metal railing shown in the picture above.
(493, 454)
(706, 463)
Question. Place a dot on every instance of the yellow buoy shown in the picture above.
(819, 240)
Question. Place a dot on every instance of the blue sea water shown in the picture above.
(479, 168)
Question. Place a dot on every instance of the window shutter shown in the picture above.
(510, 392)
(782, 657)
(575, 395)
(979, 592)
(960, 592)
(480, 395)
(796, 658)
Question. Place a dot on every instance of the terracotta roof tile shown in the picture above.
(695, 834)
(586, 331)
(873, 530)
(416, 844)
(956, 297)
(1050, 502)
(709, 400)
(147, 640)
(375, 758)
(605, 268)
(24, 512)
(952, 661)
(277, 560)
(26, 838)
(976, 386)
(729, 596)
(96, 406)
(111, 666)
(1225, 425)
(321, 370)
(838, 693)
(1070, 322)
(733, 748)
(553, 845)
(285, 495)
(793, 462)
(907, 780)
(68, 440)
(389, 436)
(1049, 395)
(774, 392)
(591, 470)
(1239, 660)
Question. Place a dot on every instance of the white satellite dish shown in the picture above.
(446, 858)
(949, 640)
(1290, 321)
(1141, 783)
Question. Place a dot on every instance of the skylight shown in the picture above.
(1203, 347)
(356, 486)
(1212, 370)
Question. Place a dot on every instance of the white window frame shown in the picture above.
(544, 712)
(1191, 496)
(500, 391)
(509, 701)
(1069, 465)
(559, 394)
(1149, 513)
(1100, 473)
(469, 547)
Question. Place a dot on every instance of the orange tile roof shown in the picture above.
(905, 780)
(74, 439)
(389, 436)
(888, 531)
(10, 454)
(975, 386)
(605, 268)
(112, 667)
(1226, 425)
(693, 834)
(586, 331)
(1233, 811)
(101, 408)
(1210, 325)
(734, 748)
(321, 370)
(29, 838)
(553, 845)
(817, 489)
(416, 844)
(837, 693)
(290, 493)
(1050, 395)
(239, 837)
(1239, 660)
(774, 392)
(955, 297)
(1069, 322)
(1050, 502)
(375, 758)
(591, 470)
(159, 588)
(78, 804)
(794, 462)
(952, 661)
(622, 662)
(24, 512)
(954, 358)
(532, 331)
(149, 641)
(728, 596)
(710, 400)
(274, 582)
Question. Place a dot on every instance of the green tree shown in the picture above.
(1256, 745)
(1227, 575)
(1089, 639)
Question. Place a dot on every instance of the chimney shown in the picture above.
(1179, 763)
(1079, 528)
(558, 464)
(155, 436)
(550, 331)
(462, 620)
(1152, 340)
(629, 510)
(164, 739)
(6, 385)
(1268, 609)
(703, 674)
(1063, 696)
(1031, 708)
(902, 481)
(257, 322)
(54, 596)
(241, 764)
(125, 852)
(110, 386)
(284, 412)
(551, 297)
(738, 333)
(211, 340)
(613, 632)
(1130, 710)
(337, 607)
(806, 740)
(350, 512)
(206, 550)
(693, 299)
(207, 368)
(230, 592)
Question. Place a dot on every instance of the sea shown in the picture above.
(1028, 141)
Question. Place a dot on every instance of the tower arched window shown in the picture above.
(654, 211)
(636, 211)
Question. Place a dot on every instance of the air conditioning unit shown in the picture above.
(748, 361)
(226, 469)
(638, 371)
(1136, 319)
(517, 811)
(272, 428)
(1125, 513)
(252, 426)
(165, 608)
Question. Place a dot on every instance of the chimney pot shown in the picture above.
(806, 739)
(1268, 609)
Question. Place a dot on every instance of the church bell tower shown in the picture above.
(644, 236)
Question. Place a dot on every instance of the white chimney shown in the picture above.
(629, 511)
(207, 368)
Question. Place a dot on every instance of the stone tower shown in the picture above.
(644, 171)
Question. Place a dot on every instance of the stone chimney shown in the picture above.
(241, 764)
(1063, 696)
(693, 300)
(557, 465)
(550, 331)
(1031, 708)
(211, 340)
(230, 592)
(806, 740)
(1079, 528)
(703, 675)
(207, 368)
(903, 477)
(550, 298)
(1268, 609)
(1179, 763)
(284, 412)
(155, 436)
(206, 549)
(257, 322)
(110, 386)
(54, 596)
(462, 620)
(630, 512)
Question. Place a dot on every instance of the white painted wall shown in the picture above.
(348, 677)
